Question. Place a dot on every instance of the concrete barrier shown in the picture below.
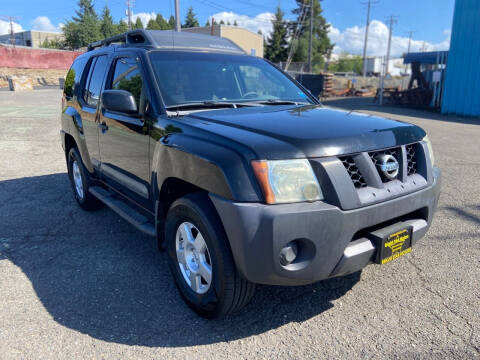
(20, 83)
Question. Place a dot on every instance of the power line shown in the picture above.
(303, 14)
(369, 5)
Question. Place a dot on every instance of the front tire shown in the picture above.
(201, 261)
(80, 181)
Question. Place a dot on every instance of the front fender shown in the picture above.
(210, 166)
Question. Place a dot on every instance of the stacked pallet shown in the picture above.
(327, 85)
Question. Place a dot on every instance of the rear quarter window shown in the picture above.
(74, 77)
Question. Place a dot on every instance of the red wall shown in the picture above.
(36, 58)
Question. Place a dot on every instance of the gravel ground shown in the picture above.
(77, 285)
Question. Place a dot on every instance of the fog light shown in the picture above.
(288, 254)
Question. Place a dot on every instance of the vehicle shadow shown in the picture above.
(368, 104)
(96, 274)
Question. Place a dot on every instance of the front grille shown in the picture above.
(355, 175)
(411, 159)
(395, 152)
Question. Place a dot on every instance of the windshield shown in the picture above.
(185, 77)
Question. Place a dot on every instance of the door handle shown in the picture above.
(103, 126)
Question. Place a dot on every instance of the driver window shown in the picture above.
(127, 76)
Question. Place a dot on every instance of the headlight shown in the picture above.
(284, 181)
(430, 149)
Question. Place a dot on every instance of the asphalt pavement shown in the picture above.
(87, 285)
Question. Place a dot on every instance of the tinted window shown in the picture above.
(195, 77)
(96, 80)
(127, 77)
(91, 66)
(74, 76)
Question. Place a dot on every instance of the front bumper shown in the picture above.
(335, 239)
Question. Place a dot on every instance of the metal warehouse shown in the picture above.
(461, 94)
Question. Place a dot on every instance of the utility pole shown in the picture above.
(364, 58)
(11, 19)
(129, 13)
(177, 15)
(410, 35)
(310, 40)
(391, 21)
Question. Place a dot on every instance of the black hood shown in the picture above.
(280, 132)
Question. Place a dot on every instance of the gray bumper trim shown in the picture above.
(257, 232)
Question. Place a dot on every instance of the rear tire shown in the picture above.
(223, 291)
(80, 181)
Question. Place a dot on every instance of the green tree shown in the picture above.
(207, 23)
(277, 44)
(235, 23)
(164, 25)
(222, 22)
(83, 28)
(52, 44)
(190, 20)
(153, 25)
(321, 45)
(122, 27)
(138, 24)
(347, 63)
(171, 22)
(107, 27)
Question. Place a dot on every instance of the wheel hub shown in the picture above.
(193, 257)
(77, 179)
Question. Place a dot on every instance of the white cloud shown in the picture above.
(351, 41)
(43, 23)
(261, 22)
(145, 17)
(5, 27)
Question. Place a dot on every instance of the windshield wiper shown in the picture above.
(278, 102)
(201, 105)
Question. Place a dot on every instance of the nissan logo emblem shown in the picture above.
(388, 165)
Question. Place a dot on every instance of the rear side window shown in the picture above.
(93, 85)
(127, 76)
(74, 76)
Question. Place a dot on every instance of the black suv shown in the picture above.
(236, 169)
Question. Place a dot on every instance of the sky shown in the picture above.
(431, 20)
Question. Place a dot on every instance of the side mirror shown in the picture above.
(119, 101)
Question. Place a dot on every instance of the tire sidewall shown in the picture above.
(206, 304)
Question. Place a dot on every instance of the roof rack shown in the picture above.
(169, 39)
(133, 37)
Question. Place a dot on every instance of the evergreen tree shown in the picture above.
(222, 22)
(190, 20)
(83, 28)
(171, 22)
(207, 23)
(321, 45)
(107, 27)
(228, 23)
(276, 44)
(122, 27)
(235, 23)
(138, 24)
(153, 25)
(162, 23)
